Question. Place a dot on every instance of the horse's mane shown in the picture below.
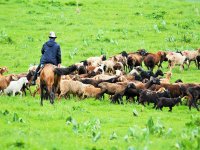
(65, 71)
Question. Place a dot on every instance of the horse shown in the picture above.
(50, 77)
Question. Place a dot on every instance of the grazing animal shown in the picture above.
(177, 59)
(91, 91)
(3, 70)
(178, 81)
(152, 96)
(96, 82)
(174, 89)
(82, 70)
(131, 92)
(71, 87)
(109, 65)
(32, 67)
(194, 95)
(95, 61)
(121, 58)
(146, 74)
(118, 66)
(5, 81)
(167, 102)
(50, 78)
(134, 59)
(151, 60)
(99, 69)
(147, 85)
(191, 56)
(198, 61)
(134, 71)
(116, 89)
(167, 78)
(158, 73)
(16, 86)
(29, 77)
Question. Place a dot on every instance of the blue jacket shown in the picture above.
(51, 53)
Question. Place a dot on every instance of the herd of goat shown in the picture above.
(119, 76)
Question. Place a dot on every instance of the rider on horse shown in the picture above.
(51, 54)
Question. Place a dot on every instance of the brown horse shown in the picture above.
(50, 80)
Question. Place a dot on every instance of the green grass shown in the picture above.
(46, 126)
(94, 27)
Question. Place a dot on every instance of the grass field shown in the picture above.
(89, 29)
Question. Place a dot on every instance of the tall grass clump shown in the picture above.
(5, 39)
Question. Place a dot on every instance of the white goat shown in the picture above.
(101, 67)
(95, 61)
(103, 77)
(191, 55)
(177, 59)
(16, 86)
(109, 66)
(133, 71)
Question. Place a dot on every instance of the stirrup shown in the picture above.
(41, 67)
(33, 83)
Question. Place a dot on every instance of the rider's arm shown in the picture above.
(58, 56)
(42, 50)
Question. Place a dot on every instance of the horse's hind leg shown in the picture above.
(51, 94)
(41, 94)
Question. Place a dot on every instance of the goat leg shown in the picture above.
(154, 106)
(195, 101)
(170, 109)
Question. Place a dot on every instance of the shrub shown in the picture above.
(5, 39)
(157, 128)
(73, 3)
(157, 15)
(170, 38)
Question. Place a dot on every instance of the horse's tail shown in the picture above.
(65, 71)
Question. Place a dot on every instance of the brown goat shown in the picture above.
(5, 81)
(194, 95)
(174, 89)
(133, 60)
(91, 91)
(167, 78)
(116, 89)
(151, 60)
(141, 86)
(3, 70)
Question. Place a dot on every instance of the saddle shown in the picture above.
(42, 66)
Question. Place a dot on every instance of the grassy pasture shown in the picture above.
(92, 28)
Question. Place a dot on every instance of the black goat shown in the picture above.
(152, 96)
(168, 102)
(65, 71)
(124, 54)
(29, 77)
(96, 82)
(198, 61)
(178, 81)
(117, 97)
(194, 95)
(131, 92)
(149, 73)
(82, 70)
